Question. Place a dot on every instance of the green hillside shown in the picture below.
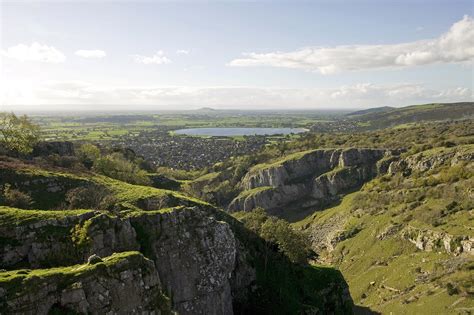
(413, 114)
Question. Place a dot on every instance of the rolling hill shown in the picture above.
(384, 117)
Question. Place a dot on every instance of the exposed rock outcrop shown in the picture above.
(309, 179)
(124, 283)
(189, 246)
(429, 240)
(196, 256)
(269, 197)
(325, 236)
(428, 160)
(39, 243)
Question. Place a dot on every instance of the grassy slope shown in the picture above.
(391, 264)
(13, 216)
(127, 195)
(416, 113)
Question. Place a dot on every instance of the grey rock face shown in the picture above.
(38, 243)
(423, 163)
(313, 162)
(271, 198)
(195, 257)
(428, 240)
(313, 179)
(55, 242)
(121, 285)
(198, 259)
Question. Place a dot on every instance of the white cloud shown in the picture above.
(91, 53)
(93, 96)
(182, 52)
(34, 52)
(158, 58)
(456, 45)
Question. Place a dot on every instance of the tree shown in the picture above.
(18, 134)
(88, 154)
(293, 244)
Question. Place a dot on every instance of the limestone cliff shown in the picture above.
(308, 179)
(123, 283)
(195, 255)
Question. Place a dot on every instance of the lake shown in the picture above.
(231, 132)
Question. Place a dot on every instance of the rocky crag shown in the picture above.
(310, 179)
(187, 246)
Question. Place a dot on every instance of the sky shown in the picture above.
(157, 55)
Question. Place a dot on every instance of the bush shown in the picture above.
(451, 289)
(70, 162)
(116, 166)
(90, 197)
(15, 198)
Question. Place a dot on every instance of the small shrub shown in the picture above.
(89, 198)
(451, 289)
(16, 198)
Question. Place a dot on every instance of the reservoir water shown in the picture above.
(231, 132)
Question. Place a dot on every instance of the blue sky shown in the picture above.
(169, 55)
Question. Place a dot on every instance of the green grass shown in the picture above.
(207, 177)
(26, 279)
(293, 156)
(130, 195)
(393, 265)
(127, 195)
(14, 217)
(246, 193)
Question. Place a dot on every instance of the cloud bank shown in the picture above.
(456, 45)
(158, 58)
(34, 52)
(94, 97)
(91, 53)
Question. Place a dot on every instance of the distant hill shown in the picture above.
(371, 110)
(206, 109)
(413, 114)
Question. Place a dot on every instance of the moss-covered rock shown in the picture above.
(123, 283)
